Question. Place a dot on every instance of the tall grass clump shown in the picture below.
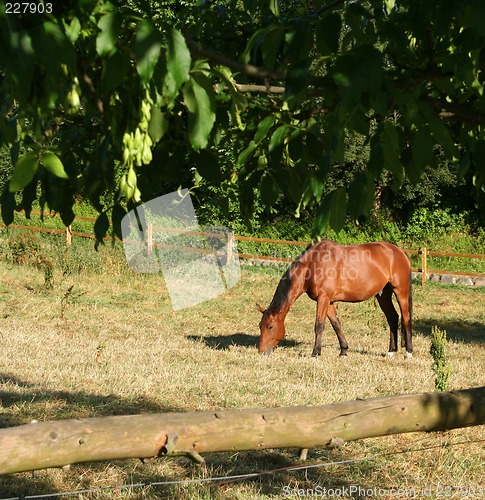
(440, 365)
(25, 248)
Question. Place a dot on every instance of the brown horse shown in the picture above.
(329, 273)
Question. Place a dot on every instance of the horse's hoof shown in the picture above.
(408, 355)
(390, 354)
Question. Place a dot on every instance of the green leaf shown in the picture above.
(296, 82)
(478, 158)
(359, 121)
(178, 63)
(322, 217)
(269, 190)
(328, 34)
(246, 152)
(361, 195)
(114, 71)
(24, 171)
(147, 50)
(274, 7)
(101, 227)
(422, 147)
(443, 137)
(390, 4)
(312, 191)
(263, 128)
(208, 167)
(299, 40)
(391, 149)
(295, 146)
(8, 204)
(270, 45)
(201, 106)
(317, 187)
(376, 158)
(53, 164)
(29, 195)
(278, 137)
(331, 212)
(158, 125)
(338, 209)
(117, 215)
(109, 24)
(67, 216)
(73, 29)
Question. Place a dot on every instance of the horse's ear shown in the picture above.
(260, 308)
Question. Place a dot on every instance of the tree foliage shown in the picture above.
(119, 103)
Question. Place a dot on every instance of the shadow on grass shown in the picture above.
(224, 342)
(21, 405)
(457, 331)
(67, 404)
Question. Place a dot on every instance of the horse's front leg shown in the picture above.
(332, 316)
(322, 306)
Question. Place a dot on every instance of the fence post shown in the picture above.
(229, 246)
(149, 238)
(68, 235)
(424, 266)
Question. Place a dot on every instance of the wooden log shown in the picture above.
(56, 444)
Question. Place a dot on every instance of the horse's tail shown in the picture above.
(410, 296)
(410, 310)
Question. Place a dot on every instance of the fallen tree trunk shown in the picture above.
(55, 444)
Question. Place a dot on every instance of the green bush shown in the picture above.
(425, 224)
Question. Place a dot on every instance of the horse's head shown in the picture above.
(272, 330)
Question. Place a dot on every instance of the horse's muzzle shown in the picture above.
(267, 351)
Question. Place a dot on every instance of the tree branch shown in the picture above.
(256, 72)
(246, 69)
(444, 109)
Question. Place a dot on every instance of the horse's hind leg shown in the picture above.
(385, 302)
(322, 307)
(404, 299)
(334, 321)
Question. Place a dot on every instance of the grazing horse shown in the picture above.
(329, 273)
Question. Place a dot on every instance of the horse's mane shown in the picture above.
(283, 288)
(281, 292)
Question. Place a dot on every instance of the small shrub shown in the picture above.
(440, 362)
(25, 248)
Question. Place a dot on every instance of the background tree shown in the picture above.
(122, 102)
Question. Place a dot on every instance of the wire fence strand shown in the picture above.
(240, 477)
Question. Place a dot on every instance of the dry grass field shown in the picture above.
(104, 341)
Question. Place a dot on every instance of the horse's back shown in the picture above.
(363, 252)
(355, 272)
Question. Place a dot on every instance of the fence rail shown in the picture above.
(424, 252)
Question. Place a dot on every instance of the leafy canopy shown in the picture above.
(117, 102)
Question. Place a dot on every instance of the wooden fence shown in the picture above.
(231, 238)
(41, 445)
